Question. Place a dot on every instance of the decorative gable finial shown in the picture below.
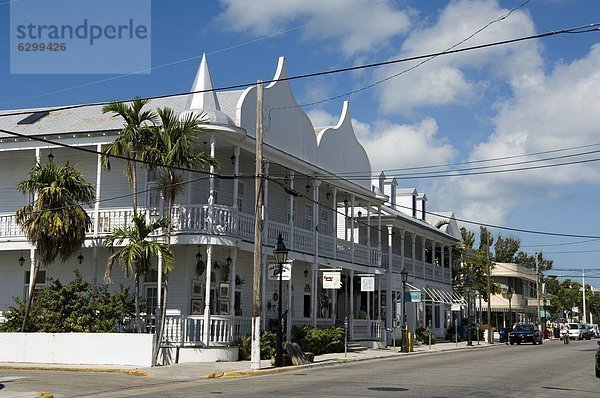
(203, 97)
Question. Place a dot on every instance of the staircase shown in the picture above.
(354, 346)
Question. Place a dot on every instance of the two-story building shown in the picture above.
(327, 218)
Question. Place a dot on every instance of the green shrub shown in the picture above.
(268, 345)
(422, 336)
(319, 341)
(73, 307)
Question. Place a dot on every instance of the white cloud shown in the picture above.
(458, 78)
(559, 111)
(359, 25)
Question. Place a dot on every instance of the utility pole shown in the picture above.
(489, 290)
(583, 283)
(258, 228)
(537, 287)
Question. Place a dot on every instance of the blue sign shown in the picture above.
(412, 296)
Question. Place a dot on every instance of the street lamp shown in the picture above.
(509, 295)
(404, 275)
(281, 254)
(469, 336)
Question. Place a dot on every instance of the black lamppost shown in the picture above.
(404, 275)
(509, 294)
(281, 254)
(469, 332)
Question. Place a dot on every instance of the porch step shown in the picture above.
(354, 346)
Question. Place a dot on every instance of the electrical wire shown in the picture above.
(593, 27)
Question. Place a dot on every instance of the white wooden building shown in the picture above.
(361, 226)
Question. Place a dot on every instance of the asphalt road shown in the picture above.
(550, 370)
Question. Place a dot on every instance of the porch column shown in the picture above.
(379, 233)
(288, 321)
(335, 222)
(97, 213)
(402, 262)
(433, 266)
(236, 173)
(315, 265)
(423, 249)
(351, 318)
(352, 225)
(233, 253)
(371, 262)
(291, 220)
(32, 256)
(211, 187)
(388, 297)
(414, 253)
(209, 257)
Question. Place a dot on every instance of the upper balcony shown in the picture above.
(219, 220)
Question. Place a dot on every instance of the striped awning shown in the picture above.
(435, 295)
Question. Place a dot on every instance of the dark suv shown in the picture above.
(525, 333)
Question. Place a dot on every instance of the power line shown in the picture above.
(176, 62)
(594, 27)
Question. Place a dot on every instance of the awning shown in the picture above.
(435, 295)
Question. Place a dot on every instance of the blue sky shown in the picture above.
(511, 100)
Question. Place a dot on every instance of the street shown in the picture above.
(550, 370)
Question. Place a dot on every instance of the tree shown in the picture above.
(134, 251)
(505, 249)
(174, 149)
(54, 221)
(134, 138)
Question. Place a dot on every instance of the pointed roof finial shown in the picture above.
(203, 97)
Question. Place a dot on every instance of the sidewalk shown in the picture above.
(242, 368)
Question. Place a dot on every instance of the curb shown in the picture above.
(333, 362)
(132, 372)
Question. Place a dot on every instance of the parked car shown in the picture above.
(574, 331)
(525, 333)
(596, 330)
(589, 331)
(598, 361)
(584, 332)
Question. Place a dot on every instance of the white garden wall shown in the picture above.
(77, 348)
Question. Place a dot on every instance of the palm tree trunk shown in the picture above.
(36, 268)
(163, 310)
(134, 188)
(138, 324)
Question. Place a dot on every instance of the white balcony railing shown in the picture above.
(189, 330)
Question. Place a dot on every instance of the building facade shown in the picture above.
(328, 221)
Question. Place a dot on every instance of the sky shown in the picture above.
(511, 102)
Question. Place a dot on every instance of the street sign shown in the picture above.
(367, 283)
(332, 280)
(412, 296)
(455, 307)
(273, 272)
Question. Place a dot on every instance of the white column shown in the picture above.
(209, 258)
(335, 222)
(288, 322)
(315, 266)
(388, 297)
(291, 220)
(236, 173)
(414, 253)
(211, 187)
(402, 263)
(97, 212)
(369, 232)
(379, 233)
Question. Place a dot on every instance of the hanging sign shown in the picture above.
(367, 283)
(412, 296)
(273, 272)
(332, 280)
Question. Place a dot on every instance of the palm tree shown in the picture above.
(173, 150)
(54, 221)
(135, 253)
(133, 139)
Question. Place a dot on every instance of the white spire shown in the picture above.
(206, 100)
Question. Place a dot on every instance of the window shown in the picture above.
(152, 192)
(308, 217)
(306, 312)
(34, 117)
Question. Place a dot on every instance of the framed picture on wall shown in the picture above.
(224, 291)
(196, 307)
(197, 288)
(224, 307)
